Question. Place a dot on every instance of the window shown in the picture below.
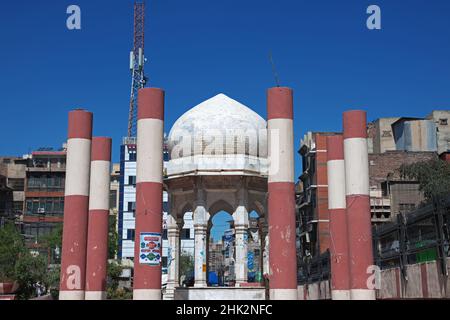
(166, 156)
(185, 234)
(164, 235)
(16, 184)
(112, 198)
(35, 231)
(132, 156)
(130, 234)
(132, 180)
(443, 122)
(46, 182)
(18, 206)
(47, 206)
(387, 133)
(131, 206)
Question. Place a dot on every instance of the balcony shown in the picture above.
(47, 168)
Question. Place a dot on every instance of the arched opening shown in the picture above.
(254, 249)
(186, 249)
(221, 256)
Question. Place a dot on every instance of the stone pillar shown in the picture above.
(281, 195)
(241, 228)
(200, 241)
(200, 232)
(358, 204)
(76, 206)
(149, 193)
(340, 267)
(97, 245)
(264, 246)
(173, 237)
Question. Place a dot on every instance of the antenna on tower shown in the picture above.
(137, 61)
(274, 69)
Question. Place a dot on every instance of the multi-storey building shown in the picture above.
(390, 194)
(5, 200)
(312, 201)
(392, 142)
(215, 261)
(44, 196)
(127, 207)
(381, 137)
(441, 120)
(13, 171)
(431, 133)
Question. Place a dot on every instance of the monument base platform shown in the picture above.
(220, 293)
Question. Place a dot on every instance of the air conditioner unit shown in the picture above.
(41, 210)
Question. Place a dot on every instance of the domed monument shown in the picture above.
(218, 162)
(223, 157)
(221, 130)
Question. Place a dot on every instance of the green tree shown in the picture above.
(433, 177)
(113, 291)
(11, 248)
(113, 237)
(30, 270)
(52, 281)
(53, 241)
(18, 264)
(186, 264)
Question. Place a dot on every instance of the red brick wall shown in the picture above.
(380, 165)
(322, 193)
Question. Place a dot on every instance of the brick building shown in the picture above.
(44, 197)
(389, 194)
(312, 196)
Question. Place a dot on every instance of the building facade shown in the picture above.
(392, 142)
(312, 200)
(5, 200)
(127, 207)
(390, 194)
(381, 137)
(44, 197)
(13, 171)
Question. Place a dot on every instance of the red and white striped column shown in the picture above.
(149, 193)
(340, 268)
(281, 195)
(358, 204)
(97, 245)
(76, 202)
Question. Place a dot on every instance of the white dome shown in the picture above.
(218, 126)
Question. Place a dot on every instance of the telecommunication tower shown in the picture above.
(137, 61)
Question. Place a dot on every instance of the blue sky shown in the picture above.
(198, 48)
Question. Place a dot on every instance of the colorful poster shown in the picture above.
(150, 248)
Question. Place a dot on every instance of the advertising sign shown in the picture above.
(150, 248)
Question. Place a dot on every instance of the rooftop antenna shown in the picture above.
(274, 70)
